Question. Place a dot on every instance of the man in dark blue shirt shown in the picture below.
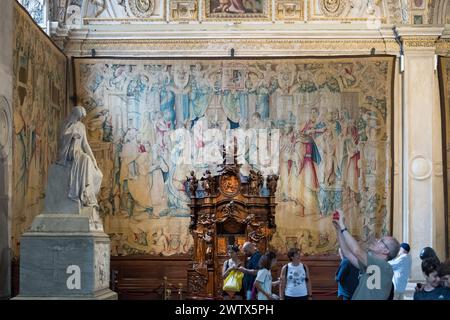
(438, 293)
(347, 278)
(432, 290)
(251, 267)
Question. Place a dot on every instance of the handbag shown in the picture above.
(233, 282)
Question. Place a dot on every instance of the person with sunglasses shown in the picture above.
(375, 282)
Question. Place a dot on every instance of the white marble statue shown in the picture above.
(74, 151)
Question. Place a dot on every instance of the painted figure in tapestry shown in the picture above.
(38, 111)
(309, 160)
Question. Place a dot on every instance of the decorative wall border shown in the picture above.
(222, 47)
(419, 41)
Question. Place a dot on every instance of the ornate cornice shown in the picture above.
(247, 47)
(419, 42)
(420, 37)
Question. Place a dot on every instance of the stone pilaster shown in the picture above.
(423, 185)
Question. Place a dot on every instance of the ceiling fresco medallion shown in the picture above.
(140, 8)
(333, 8)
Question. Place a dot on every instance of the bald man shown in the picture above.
(375, 282)
(251, 267)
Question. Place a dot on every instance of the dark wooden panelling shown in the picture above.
(141, 277)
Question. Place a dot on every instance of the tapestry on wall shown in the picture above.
(39, 106)
(332, 117)
(444, 79)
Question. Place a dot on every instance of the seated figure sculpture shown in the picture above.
(85, 177)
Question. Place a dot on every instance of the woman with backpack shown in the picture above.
(294, 280)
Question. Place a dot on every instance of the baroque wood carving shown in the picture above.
(228, 209)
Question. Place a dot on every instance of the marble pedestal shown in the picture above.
(65, 254)
(65, 265)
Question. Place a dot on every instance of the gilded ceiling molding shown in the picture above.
(419, 41)
(251, 45)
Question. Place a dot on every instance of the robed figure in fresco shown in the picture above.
(308, 180)
(85, 177)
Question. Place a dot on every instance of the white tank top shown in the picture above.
(296, 281)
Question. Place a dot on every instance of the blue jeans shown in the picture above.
(248, 295)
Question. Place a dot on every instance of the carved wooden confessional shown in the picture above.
(230, 210)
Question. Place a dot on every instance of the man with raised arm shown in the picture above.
(375, 282)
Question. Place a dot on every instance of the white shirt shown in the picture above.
(402, 268)
(229, 264)
(296, 281)
(265, 278)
